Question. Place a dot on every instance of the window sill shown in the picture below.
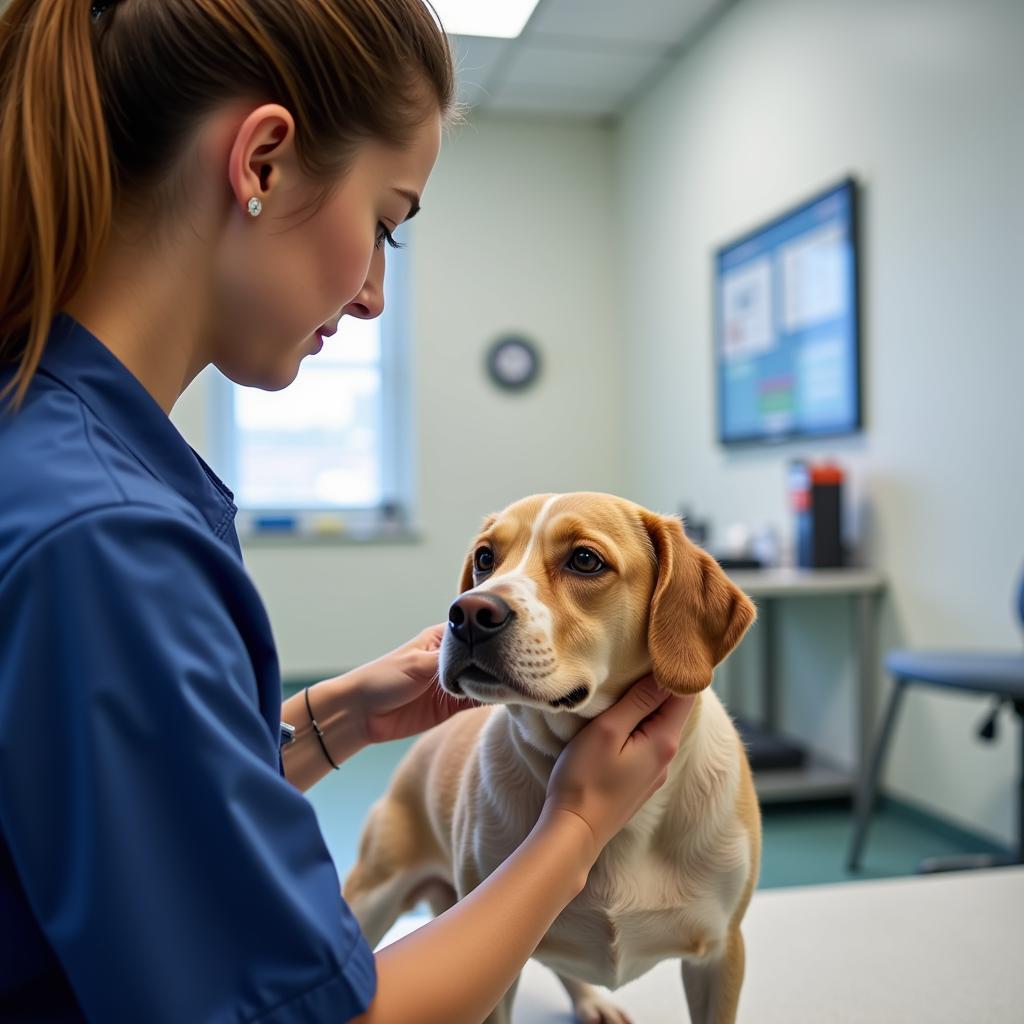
(343, 538)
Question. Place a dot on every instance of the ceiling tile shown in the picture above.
(533, 100)
(583, 57)
(574, 71)
(656, 23)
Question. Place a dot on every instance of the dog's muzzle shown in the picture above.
(477, 622)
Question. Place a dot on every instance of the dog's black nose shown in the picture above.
(477, 618)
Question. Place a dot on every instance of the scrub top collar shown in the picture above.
(82, 363)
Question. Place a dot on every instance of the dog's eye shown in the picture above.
(585, 561)
(483, 560)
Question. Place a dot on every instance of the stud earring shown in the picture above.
(255, 207)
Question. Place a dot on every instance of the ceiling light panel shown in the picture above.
(502, 19)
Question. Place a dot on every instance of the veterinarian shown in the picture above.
(186, 183)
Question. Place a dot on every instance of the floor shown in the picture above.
(803, 844)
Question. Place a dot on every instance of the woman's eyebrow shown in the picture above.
(414, 202)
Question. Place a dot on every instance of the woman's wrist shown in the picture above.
(572, 839)
(336, 708)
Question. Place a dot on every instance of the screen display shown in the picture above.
(787, 333)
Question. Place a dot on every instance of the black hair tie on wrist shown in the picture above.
(319, 733)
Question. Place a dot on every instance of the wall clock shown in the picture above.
(513, 362)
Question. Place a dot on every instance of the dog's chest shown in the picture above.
(634, 912)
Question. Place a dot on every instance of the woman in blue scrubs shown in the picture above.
(186, 183)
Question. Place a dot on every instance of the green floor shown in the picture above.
(803, 844)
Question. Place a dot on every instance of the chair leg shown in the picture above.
(867, 792)
(969, 861)
(1018, 706)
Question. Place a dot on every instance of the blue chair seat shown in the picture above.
(996, 674)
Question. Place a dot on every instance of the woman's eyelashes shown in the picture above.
(384, 235)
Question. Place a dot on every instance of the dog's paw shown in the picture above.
(594, 1008)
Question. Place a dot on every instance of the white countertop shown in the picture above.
(781, 582)
(934, 949)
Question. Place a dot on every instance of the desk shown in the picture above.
(945, 949)
(820, 778)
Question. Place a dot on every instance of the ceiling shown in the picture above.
(583, 58)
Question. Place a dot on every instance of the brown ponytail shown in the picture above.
(55, 187)
(93, 112)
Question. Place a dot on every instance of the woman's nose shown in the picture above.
(367, 305)
(369, 302)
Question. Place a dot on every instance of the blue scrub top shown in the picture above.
(155, 865)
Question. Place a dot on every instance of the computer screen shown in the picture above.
(786, 324)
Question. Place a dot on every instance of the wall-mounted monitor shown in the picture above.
(787, 329)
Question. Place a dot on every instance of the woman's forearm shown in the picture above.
(455, 969)
(344, 734)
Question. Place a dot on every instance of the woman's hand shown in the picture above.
(388, 699)
(398, 695)
(618, 760)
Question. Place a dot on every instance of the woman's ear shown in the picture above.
(264, 143)
(466, 579)
(698, 615)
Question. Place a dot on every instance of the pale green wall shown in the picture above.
(923, 102)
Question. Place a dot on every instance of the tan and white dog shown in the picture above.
(566, 600)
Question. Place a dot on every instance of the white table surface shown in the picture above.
(935, 949)
(806, 582)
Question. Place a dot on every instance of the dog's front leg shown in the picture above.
(713, 986)
(590, 1005)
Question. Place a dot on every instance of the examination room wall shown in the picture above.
(922, 102)
(515, 235)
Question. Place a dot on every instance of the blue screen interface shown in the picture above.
(786, 325)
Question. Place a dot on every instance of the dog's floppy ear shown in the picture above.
(698, 615)
(466, 579)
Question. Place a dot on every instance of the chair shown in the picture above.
(998, 675)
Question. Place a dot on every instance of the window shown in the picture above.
(329, 453)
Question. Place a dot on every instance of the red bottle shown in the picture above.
(815, 494)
